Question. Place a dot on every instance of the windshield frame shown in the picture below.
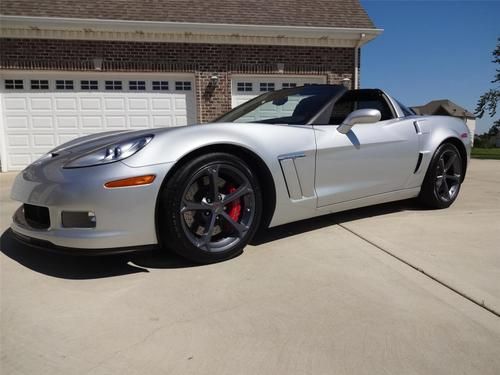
(333, 92)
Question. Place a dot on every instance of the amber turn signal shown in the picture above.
(132, 181)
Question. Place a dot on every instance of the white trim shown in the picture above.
(187, 32)
(3, 145)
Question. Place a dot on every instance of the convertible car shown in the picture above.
(204, 190)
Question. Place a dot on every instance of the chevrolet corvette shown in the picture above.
(203, 191)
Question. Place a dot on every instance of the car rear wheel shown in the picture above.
(210, 208)
(443, 179)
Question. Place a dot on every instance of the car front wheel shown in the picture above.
(210, 208)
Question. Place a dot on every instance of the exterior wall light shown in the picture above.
(346, 82)
(97, 63)
(214, 78)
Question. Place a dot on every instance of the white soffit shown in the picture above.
(149, 31)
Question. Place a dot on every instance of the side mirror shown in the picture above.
(360, 116)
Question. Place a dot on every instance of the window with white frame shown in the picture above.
(183, 85)
(113, 85)
(266, 86)
(244, 86)
(89, 85)
(64, 84)
(160, 85)
(289, 85)
(13, 84)
(39, 84)
(137, 85)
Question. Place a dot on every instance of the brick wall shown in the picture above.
(201, 59)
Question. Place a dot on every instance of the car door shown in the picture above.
(370, 159)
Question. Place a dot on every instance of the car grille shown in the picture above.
(36, 216)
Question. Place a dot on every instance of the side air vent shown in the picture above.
(417, 127)
(419, 161)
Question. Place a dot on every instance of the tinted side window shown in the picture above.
(340, 111)
(352, 102)
(406, 111)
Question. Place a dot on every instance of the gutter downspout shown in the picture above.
(356, 60)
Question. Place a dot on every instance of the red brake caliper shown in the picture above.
(234, 207)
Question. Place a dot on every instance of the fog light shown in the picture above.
(81, 219)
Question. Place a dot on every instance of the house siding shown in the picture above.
(203, 60)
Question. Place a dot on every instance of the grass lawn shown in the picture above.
(486, 153)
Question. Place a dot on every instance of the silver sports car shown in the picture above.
(203, 191)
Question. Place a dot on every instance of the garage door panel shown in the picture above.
(94, 122)
(139, 122)
(36, 120)
(42, 122)
(162, 104)
(40, 104)
(66, 104)
(67, 122)
(114, 104)
(19, 161)
(180, 104)
(180, 120)
(162, 121)
(16, 104)
(138, 104)
(16, 141)
(44, 140)
(16, 122)
(116, 122)
(90, 104)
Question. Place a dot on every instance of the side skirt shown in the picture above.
(349, 205)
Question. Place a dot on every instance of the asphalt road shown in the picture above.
(391, 289)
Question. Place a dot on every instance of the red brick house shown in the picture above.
(70, 68)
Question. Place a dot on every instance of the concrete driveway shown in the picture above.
(387, 289)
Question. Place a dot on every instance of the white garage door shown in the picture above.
(40, 111)
(246, 87)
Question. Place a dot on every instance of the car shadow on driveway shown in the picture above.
(292, 229)
(76, 267)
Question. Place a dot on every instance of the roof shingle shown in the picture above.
(317, 13)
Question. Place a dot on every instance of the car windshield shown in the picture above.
(289, 106)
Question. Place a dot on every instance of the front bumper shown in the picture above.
(125, 217)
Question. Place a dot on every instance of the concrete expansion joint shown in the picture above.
(477, 302)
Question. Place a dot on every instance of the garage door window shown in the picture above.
(137, 85)
(288, 85)
(160, 85)
(14, 84)
(113, 85)
(89, 85)
(64, 84)
(39, 84)
(267, 86)
(244, 86)
(183, 85)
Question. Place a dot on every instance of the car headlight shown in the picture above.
(110, 153)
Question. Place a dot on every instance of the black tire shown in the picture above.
(443, 178)
(210, 208)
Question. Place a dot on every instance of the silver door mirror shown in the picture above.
(360, 116)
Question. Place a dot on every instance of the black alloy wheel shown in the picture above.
(444, 178)
(210, 208)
